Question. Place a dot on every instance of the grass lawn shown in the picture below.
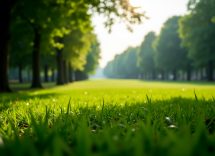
(109, 117)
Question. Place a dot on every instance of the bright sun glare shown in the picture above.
(135, 3)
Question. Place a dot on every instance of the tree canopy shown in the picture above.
(197, 31)
(146, 54)
(169, 55)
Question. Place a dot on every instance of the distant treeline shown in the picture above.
(184, 49)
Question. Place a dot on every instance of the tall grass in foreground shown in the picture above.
(176, 127)
(117, 118)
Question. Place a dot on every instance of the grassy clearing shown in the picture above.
(110, 117)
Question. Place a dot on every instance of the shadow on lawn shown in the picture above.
(7, 99)
(26, 86)
(182, 82)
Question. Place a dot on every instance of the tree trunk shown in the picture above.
(36, 82)
(46, 73)
(60, 75)
(188, 73)
(210, 70)
(65, 72)
(5, 9)
(20, 73)
(70, 72)
(53, 75)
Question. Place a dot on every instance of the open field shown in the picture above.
(109, 117)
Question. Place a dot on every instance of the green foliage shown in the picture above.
(124, 65)
(146, 54)
(93, 57)
(197, 32)
(115, 119)
(77, 45)
(169, 54)
(108, 70)
(130, 61)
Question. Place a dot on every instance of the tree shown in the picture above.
(20, 46)
(124, 65)
(119, 66)
(108, 70)
(93, 57)
(77, 45)
(46, 14)
(6, 8)
(131, 62)
(197, 31)
(45, 17)
(169, 55)
(146, 54)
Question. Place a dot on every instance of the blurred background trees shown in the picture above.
(197, 31)
(146, 54)
(184, 49)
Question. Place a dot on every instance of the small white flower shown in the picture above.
(98, 106)
(27, 104)
(133, 129)
(103, 122)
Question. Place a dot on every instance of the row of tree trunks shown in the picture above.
(79, 76)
